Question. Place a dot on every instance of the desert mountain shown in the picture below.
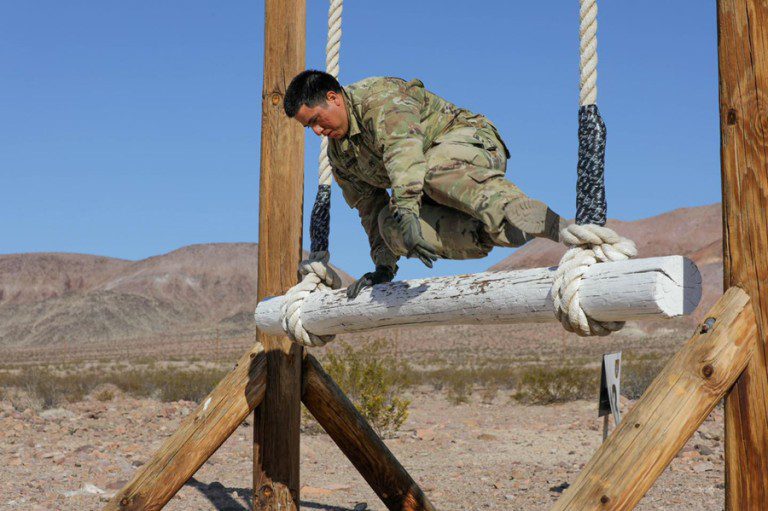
(77, 298)
(210, 289)
(692, 232)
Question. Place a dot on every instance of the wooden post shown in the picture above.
(743, 51)
(357, 440)
(198, 437)
(669, 412)
(277, 420)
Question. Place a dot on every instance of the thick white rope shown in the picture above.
(316, 275)
(315, 272)
(331, 67)
(589, 244)
(588, 52)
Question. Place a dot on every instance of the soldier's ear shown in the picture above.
(333, 97)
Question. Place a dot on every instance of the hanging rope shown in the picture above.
(588, 52)
(589, 240)
(319, 228)
(316, 273)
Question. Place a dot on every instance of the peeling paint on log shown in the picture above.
(617, 291)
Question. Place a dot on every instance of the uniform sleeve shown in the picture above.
(369, 201)
(394, 114)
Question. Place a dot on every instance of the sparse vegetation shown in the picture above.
(545, 385)
(374, 380)
(639, 372)
(53, 388)
(372, 375)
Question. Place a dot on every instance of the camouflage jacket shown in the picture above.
(392, 123)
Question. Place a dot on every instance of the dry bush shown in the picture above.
(168, 384)
(638, 373)
(372, 378)
(20, 399)
(458, 383)
(49, 388)
(52, 389)
(545, 385)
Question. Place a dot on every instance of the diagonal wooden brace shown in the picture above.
(198, 437)
(669, 412)
(357, 440)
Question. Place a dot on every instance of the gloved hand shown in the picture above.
(415, 243)
(379, 276)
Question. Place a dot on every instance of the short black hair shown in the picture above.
(308, 88)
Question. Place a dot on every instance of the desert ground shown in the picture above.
(476, 455)
(486, 450)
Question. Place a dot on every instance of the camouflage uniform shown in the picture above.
(442, 162)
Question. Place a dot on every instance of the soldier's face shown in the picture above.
(328, 119)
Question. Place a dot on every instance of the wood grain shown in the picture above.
(743, 53)
(357, 440)
(198, 437)
(669, 412)
(277, 420)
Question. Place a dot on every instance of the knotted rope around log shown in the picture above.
(316, 275)
(589, 244)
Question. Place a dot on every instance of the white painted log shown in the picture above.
(614, 291)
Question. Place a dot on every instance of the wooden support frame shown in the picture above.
(277, 421)
(357, 440)
(743, 58)
(202, 432)
(669, 412)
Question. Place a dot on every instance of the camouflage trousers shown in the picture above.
(468, 206)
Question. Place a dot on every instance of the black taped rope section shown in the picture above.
(320, 221)
(591, 207)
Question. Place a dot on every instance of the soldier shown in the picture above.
(444, 166)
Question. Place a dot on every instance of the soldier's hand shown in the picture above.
(415, 243)
(381, 275)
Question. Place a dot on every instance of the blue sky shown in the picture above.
(132, 128)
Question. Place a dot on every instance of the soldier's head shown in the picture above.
(315, 100)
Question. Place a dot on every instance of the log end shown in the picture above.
(679, 287)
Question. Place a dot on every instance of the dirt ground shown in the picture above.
(501, 455)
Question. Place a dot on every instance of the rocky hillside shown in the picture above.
(76, 298)
(210, 290)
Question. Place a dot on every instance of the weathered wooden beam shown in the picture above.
(198, 437)
(357, 440)
(281, 186)
(616, 291)
(743, 52)
(669, 412)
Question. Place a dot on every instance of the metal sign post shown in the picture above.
(610, 389)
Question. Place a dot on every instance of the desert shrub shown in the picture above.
(52, 389)
(372, 378)
(489, 393)
(459, 388)
(168, 384)
(458, 383)
(105, 393)
(637, 374)
(545, 385)
(189, 385)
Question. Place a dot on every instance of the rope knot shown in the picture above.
(589, 244)
(316, 274)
